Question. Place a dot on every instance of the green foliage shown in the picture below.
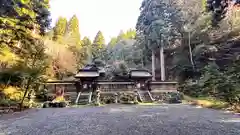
(99, 40)
(69, 45)
(86, 41)
(21, 23)
(73, 36)
(126, 98)
(119, 68)
(107, 99)
(124, 48)
(43, 15)
(80, 54)
(13, 93)
(87, 45)
(113, 42)
(10, 25)
(129, 34)
(199, 56)
(98, 46)
(223, 85)
(8, 102)
(60, 29)
(73, 39)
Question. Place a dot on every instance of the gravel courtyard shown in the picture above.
(123, 120)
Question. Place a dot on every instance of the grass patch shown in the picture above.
(206, 102)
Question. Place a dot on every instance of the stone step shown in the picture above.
(145, 96)
(84, 98)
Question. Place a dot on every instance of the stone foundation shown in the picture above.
(124, 91)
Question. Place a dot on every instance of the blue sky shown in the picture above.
(109, 16)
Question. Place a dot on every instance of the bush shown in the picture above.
(220, 84)
(7, 103)
(169, 97)
(192, 89)
(124, 97)
(13, 93)
(107, 99)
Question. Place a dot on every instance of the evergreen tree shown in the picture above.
(130, 34)
(43, 15)
(73, 35)
(120, 35)
(99, 40)
(17, 33)
(98, 45)
(113, 42)
(20, 26)
(60, 28)
(87, 45)
(86, 41)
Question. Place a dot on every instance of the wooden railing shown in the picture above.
(116, 86)
(108, 86)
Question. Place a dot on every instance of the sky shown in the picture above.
(109, 16)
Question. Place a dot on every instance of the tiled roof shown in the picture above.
(87, 74)
(140, 74)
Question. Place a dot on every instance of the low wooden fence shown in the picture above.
(107, 86)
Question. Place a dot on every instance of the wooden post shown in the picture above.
(162, 62)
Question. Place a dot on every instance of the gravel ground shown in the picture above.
(123, 120)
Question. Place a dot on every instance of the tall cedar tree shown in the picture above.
(73, 34)
(60, 28)
(73, 39)
(43, 15)
(98, 45)
(86, 43)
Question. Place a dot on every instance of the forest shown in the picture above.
(201, 41)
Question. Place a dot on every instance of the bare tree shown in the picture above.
(63, 60)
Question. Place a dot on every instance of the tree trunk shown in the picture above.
(153, 66)
(89, 51)
(162, 62)
(25, 93)
(190, 50)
